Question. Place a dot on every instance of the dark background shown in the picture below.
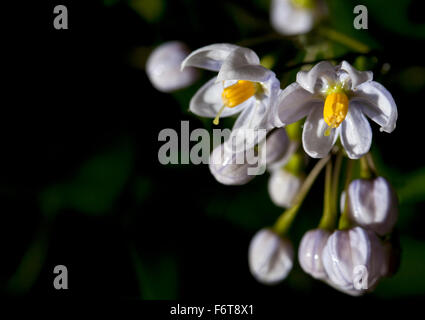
(80, 181)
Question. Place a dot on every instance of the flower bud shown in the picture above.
(163, 67)
(291, 17)
(283, 187)
(277, 146)
(270, 257)
(373, 204)
(227, 168)
(310, 252)
(354, 260)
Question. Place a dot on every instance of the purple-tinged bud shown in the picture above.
(270, 257)
(373, 204)
(163, 67)
(283, 187)
(227, 168)
(277, 146)
(354, 260)
(310, 252)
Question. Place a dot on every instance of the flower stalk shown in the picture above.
(285, 220)
(328, 217)
(344, 221)
(343, 39)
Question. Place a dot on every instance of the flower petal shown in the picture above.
(356, 134)
(250, 128)
(209, 57)
(243, 64)
(293, 104)
(315, 143)
(312, 80)
(289, 20)
(378, 104)
(357, 77)
(207, 101)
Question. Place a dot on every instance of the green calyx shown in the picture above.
(304, 4)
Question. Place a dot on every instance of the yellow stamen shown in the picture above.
(335, 110)
(216, 119)
(237, 93)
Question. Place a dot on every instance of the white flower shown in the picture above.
(283, 187)
(373, 204)
(163, 67)
(310, 252)
(354, 260)
(335, 101)
(241, 86)
(291, 17)
(270, 257)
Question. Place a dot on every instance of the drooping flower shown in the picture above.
(354, 260)
(241, 86)
(270, 257)
(336, 101)
(163, 67)
(310, 252)
(373, 204)
(291, 17)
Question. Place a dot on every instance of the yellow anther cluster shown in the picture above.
(237, 93)
(336, 108)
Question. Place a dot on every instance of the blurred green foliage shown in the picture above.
(96, 185)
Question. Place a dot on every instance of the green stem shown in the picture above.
(344, 221)
(365, 172)
(371, 164)
(328, 219)
(341, 38)
(284, 222)
(335, 181)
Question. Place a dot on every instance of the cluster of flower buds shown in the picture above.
(351, 259)
(323, 114)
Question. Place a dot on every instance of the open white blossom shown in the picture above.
(373, 204)
(270, 257)
(241, 86)
(291, 17)
(336, 101)
(163, 67)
